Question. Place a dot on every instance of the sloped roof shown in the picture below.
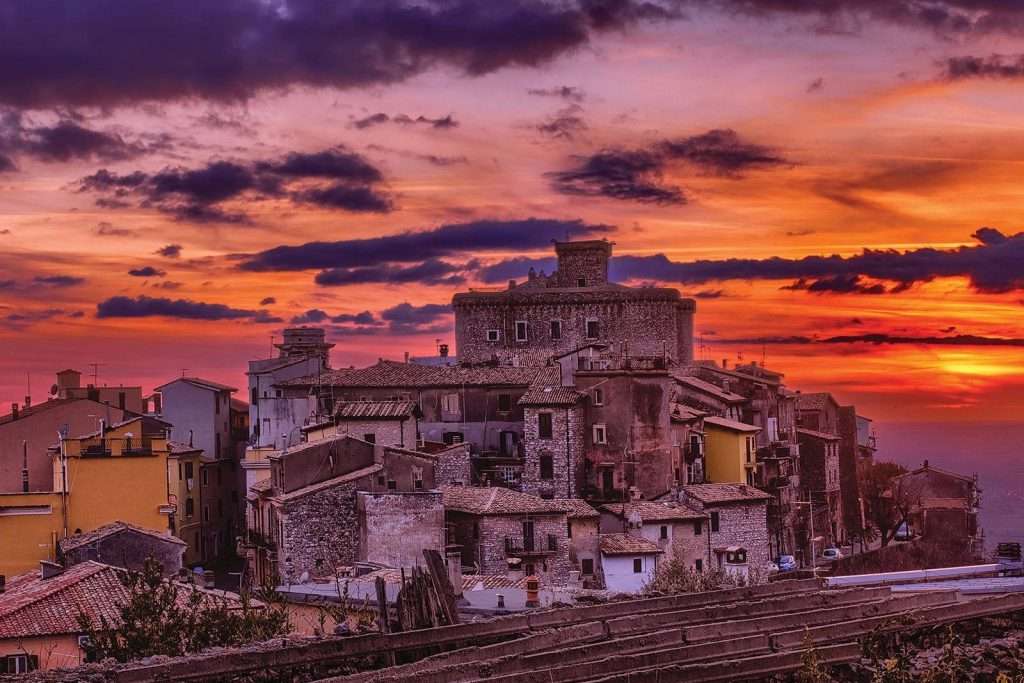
(497, 500)
(78, 540)
(374, 410)
(733, 425)
(543, 395)
(814, 401)
(387, 373)
(685, 413)
(578, 509)
(651, 511)
(355, 475)
(708, 388)
(710, 494)
(37, 408)
(815, 434)
(199, 382)
(624, 544)
(34, 606)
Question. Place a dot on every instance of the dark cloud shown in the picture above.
(362, 318)
(145, 307)
(229, 50)
(440, 123)
(816, 85)
(430, 272)
(18, 319)
(105, 229)
(169, 251)
(408, 319)
(66, 140)
(994, 265)
(313, 315)
(994, 66)
(566, 92)
(266, 301)
(196, 195)
(708, 294)
(433, 159)
(146, 271)
(882, 338)
(565, 124)
(168, 284)
(637, 175)
(7, 164)
(58, 280)
(838, 284)
(445, 241)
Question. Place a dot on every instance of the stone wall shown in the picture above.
(553, 569)
(320, 532)
(395, 528)
(453, 466)
(585, 545)
(743, 525)
(566, 448)
(129, 549)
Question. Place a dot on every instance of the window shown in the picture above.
(254, 395)
(220, 508)
(520, 330)
(600, 434)
(418, 483)
(451, 438)
(556, 329)
(581, 282)
(380, 480)
(476, 530)
(568, 529)
(392, 485)
(21, 664)
(216, 445)
(698, 528)
(544, 429)
(504, 403)
(120, 400)
(278, 393)
(593, 329)
(587, 567)
(698, 565)
(206, 513)
(664, 533)
(715, 522)
(206, 477)
(547, 467)
(450, 403)
(493, 335)
(598, 397)
(190, 508)
(370, 438)
(638, 565)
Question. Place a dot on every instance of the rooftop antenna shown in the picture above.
(183, 371)
(764, 353)
(271, 346)
(95, 372)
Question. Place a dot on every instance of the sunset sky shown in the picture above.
(837, 182)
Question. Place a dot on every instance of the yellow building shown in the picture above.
(730, 454)
(117, 473)
(201, 489)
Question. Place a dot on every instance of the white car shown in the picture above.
(831, 554)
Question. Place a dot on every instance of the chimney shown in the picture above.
(3, 584)
(725, 363)
(511, 284)
(14, 411)
(190, 438)
(48, 570)
(443, 350)
(28, 401)
(406, 357)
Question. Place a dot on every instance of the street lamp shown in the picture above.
(814, 556)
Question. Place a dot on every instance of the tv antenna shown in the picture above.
(95, 372)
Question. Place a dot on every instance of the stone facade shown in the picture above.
(453, 465)
(319, 532)
(584, 545)
(546, 316)
(124, 546)
(565, 448)
(484, 544)
(395, 528)
(737, 517)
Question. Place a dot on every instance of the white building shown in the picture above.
(628, 562)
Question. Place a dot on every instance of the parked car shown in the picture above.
(787, 563)
(903, 532)
(832, 554)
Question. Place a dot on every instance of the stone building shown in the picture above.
(820, 484)
(939, 505)
(737, 517)
(529, 322)
(317, 511)
(553, 430)
(677, 529)
(584, 540)
(125, 545)
(392, 423)
(395, 528)
(507, 532)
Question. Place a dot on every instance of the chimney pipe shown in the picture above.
(725, 363)
(28, 401)
(190, 438)
(24, 466)
(14, 411)
(443, 350)
(511, 284)
(406, 357)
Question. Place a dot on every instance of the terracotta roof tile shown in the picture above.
(497, 500)
(651, 511)
(374, 410)
(78, 540)
(708, 388)
(814, 401)
(724, 493)
(813, 433)
(578, 509)
(388, 373)
(726, 423)
(624, 544)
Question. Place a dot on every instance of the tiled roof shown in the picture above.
(37, 408)
(651, 511)
(78, 540)
(726, 423)
(685, 413)
(724, 493)
(624, 544)
(374, 410)
(944, 503)
(199, 382)
(387, 373)
(179, 447)
(578, 509)
(814, 401)
(331, 483)
(541, 395)
(33, 606)
(708, 388)
(813, 433)
(239, 405)
(496, 500)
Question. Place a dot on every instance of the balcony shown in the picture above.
(531, 546)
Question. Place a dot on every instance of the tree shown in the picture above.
(881, 507)
(161, 617)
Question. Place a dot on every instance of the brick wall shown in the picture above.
(395, 528)
(565, 448)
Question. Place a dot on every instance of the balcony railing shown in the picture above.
(541, 544)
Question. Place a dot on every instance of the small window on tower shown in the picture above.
(598, 397)
(521, 330)
(600, 434)
(593, 329)
(547, 467)
(544, 425)
(504, 403)
(493, 335)
(581, 282)
(638, 565)
(556, 329)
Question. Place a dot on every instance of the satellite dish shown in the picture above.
(54, 389)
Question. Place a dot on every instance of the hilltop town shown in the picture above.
(569, 447)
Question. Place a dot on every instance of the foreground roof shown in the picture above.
(374, 410)
(651, 511)
(107, 530)
(387, 373)
(814, 401)
(710, 494)
(497, 500)
(708, 388)
(198, 382)
(624, 544)
(732, 425)
(576, 508)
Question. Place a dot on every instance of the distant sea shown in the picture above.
(995, 451)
